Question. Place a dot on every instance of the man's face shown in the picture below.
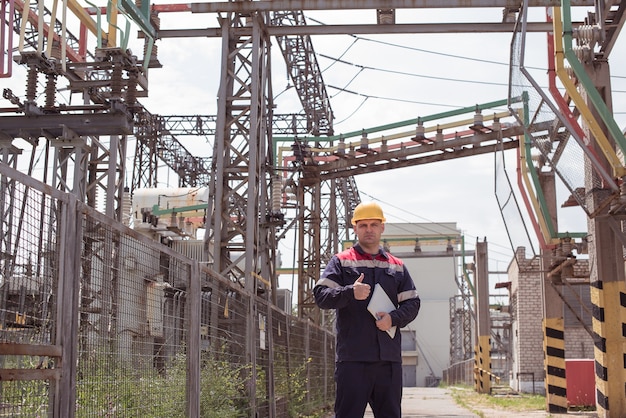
(368, 231)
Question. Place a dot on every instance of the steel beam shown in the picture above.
(53, 125)
(363, 29)
(419, 154)
(305, 73)
(259, 6)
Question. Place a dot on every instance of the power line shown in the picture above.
(362, 68)
(456, 80)
(508, 254)
(394, 99)
(456, 56)
(431, 52)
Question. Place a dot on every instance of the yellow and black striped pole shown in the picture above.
(609, 327)
(554, 351)
(607, 276)
(482, 365)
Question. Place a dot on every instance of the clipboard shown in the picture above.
(380, 302)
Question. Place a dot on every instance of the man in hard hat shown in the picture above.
(368, 359)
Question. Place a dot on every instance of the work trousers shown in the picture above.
(360, 383)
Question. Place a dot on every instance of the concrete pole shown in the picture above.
(607, 281)
(482, 352)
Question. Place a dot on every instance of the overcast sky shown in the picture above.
(375, 80)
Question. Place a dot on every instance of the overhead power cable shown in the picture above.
(353, 112)
(443, 54)
(456, 80)
(504, 250)
(384, 70)
(369, 96)
(340, 56)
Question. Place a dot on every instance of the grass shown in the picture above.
(479, 402)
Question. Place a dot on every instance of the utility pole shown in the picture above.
(607, 281)
(482, 353)
(553, 325)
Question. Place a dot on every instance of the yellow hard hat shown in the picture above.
(367, 210)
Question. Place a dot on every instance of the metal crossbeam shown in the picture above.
(264, 6)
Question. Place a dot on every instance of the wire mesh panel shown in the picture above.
(132, 354)
(28, 280)
(554, 140)
(225, 367)
(299, 355)
(100, 320)
(321, 367)
(516, 226)
(285, 394)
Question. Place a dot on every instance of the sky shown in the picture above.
(374, 80)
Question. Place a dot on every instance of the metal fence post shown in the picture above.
(193, 342)
(68, 254)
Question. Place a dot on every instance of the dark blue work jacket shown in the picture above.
(358, 338)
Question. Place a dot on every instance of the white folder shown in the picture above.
(380, 302)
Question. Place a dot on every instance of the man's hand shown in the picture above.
(384, 323)
(361, 290)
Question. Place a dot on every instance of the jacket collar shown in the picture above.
(381, 251)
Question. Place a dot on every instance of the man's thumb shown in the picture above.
(360, 279)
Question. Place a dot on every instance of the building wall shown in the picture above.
(432, 333)
(578, 344)
(527, 316)
(528, 369)
(434, 279)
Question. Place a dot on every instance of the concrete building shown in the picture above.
(431, 254)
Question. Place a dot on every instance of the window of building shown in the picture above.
(408, 340)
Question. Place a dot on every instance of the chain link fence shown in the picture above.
(99, 320)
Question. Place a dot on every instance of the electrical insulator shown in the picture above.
(275, 215)
(117, 81)
(31, 84)
(341, 148)
(588, 34)
(290, 190)
(478, 117)
(584, 53)
(439, 134)
(419, 131)
(364, 141)
(496, 124)
(55, 52)
(567, 246)
(385, 16)
(126, 206)
(383, 146)
(51, 88)
(277, 186)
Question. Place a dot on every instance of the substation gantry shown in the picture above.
(246, 212)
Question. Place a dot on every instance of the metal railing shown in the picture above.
(460, 373)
